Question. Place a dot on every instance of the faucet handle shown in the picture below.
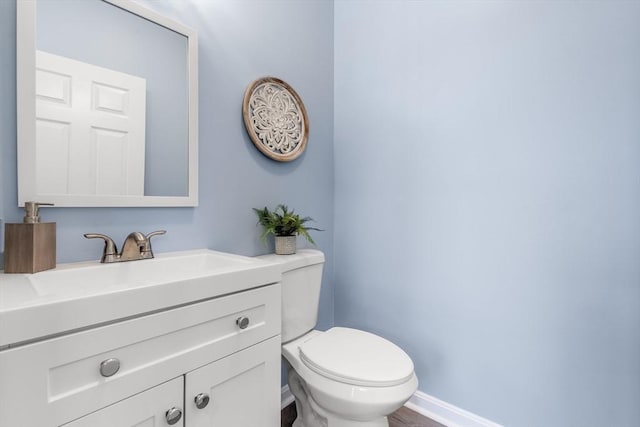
(110, 248)
(156, 233)
(149, 252)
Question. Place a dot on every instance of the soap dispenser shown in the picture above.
(31, 246)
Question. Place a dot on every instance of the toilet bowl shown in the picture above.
(344, 385)
(342, 377)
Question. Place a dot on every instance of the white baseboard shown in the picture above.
(429, 406)
(445, 413)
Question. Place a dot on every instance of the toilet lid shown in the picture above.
(356, 357)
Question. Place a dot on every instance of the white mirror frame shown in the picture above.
(26, 113)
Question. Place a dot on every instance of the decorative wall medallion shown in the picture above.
(276, 119)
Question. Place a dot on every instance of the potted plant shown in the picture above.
(285, 225)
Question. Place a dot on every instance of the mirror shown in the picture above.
(107, 105)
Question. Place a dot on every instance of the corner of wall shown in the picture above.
(1, 241)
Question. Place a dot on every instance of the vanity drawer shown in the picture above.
(63, 375)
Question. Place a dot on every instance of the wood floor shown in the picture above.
(403, 417)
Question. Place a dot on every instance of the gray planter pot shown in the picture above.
(285, 245)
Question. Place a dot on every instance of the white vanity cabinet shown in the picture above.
(132, 371)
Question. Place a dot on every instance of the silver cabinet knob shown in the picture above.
(173, 415)
(109, 367)
(242, 322)
(202, 400)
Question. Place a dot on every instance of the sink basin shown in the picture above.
(77, 295)
(100, 278)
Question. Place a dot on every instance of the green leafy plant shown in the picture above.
(283, 222)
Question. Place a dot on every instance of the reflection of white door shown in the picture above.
(90, 128)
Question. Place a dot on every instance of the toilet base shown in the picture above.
(310, 414)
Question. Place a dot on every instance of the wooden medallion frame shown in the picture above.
(276, 119)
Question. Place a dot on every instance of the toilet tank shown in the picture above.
(301, 279)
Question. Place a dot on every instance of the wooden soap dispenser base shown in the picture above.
(31, 246)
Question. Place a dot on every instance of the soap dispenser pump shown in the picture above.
(30, 247)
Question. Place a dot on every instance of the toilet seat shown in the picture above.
(356, 357)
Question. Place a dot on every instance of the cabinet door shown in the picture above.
(147, 409)
(243, 389)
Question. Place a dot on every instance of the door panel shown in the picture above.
(244, 389)
(147, 409)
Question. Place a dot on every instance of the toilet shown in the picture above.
(342, 377)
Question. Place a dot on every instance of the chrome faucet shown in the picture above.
(136, 246)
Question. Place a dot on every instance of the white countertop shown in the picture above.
(78, 295)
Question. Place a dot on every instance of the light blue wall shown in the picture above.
(7, 107)
(240, 40)
(488, 200)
